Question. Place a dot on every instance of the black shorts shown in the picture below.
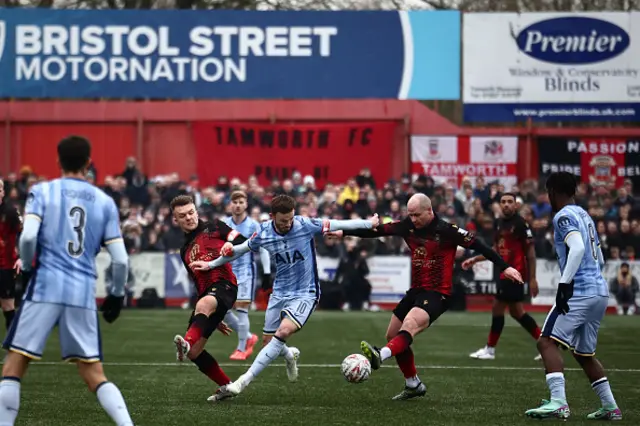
(7, 284)
(509, 291)
(225, 293)
(433, 302)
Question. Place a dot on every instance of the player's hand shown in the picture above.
(267, 281)
(565, 291)
(224, 328)
(468, 264)
(375, 221)
(513, 275)
(111, 307)
(533, 287)
(335, 234)
(227, 250)
(17, 266)
(199, 265)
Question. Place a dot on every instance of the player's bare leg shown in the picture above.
(413, 386)
(554, 366)
(600, 384)
(107, 393)
(497, 325)
(526, 321)
(246, 340)
(8, 310)
(273, 349)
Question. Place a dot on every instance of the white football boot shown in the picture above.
(182, 347)
(484, 353)
(292, 364)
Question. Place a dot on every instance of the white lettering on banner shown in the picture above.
(133, 53)
(548, 275)
(552, 57)
(148, 269)
(630, 147)
(487, 170)
(548, 168)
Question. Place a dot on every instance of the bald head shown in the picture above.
(419, 201)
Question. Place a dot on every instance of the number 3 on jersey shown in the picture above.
(77, 217)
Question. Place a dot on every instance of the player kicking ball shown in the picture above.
(296, 289)
(514, 242)
(581, 302)
(433, 244)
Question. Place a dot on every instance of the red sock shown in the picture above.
(492, 341)
(210, 368)
(535, 333)
(407, 364)
(400, 343)
(196, 329)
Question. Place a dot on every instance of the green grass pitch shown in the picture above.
(140, 359)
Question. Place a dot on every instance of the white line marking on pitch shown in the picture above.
(432, 367)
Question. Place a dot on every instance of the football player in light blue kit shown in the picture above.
(67, 220)
(581, 302)
(245, 270)
(296, 289)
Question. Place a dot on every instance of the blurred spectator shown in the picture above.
(625, 287)
(351, 275)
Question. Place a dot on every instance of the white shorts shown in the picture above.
(78, 328)
(578, 329)
(246, 291)
(297, 309)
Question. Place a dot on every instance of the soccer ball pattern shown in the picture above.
(356, 368)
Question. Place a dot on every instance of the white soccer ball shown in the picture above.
(356, 368)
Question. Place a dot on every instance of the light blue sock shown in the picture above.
(243, 329)
(232, 320)
(266, 356)
(9, 400)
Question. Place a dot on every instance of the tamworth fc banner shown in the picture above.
(599, 161)
(452, 158)
(554, 66)
(330, 152)
(222, 54)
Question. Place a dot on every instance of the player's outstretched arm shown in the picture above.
(353, 224)
(29, 241)
(494, 257)
(394, 228)
(238, 251)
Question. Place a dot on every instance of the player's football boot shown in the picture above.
(231, 390)
(292, 364)
(550, 409)
(182, 347)
(606, 413)
(238, 355)
(251, 342)
(221, 394)
(484, 353)
(372, 353)
(538, 358)
(408, 393)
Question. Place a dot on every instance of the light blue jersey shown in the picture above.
(294, 255)
(588, 280)
(77, 219)
(244, 267)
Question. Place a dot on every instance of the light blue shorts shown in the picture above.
(246, 291)
(578, 329)
(297, 309)
(78, 328)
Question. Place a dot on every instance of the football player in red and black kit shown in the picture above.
(514, 242)
(433, 243)
(217, 288)
(10, 227)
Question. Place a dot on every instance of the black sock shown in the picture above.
(497, 324)
(8, 317)
(528, 323)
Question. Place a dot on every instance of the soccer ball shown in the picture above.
(356, 368)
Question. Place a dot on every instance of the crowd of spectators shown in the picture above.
(147, 224)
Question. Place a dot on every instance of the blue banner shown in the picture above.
(166, 54)
(487, 113)
(177, 284)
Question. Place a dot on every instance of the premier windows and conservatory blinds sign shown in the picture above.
(551, 66)
(229, 54)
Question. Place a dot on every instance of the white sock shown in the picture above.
(286, 353)
(113, 403)
(385, 353)
(412, 382)
(9, 401)
(603, 390)
(555, 381)
(243, 329)
(231, 320)
(266, 356)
